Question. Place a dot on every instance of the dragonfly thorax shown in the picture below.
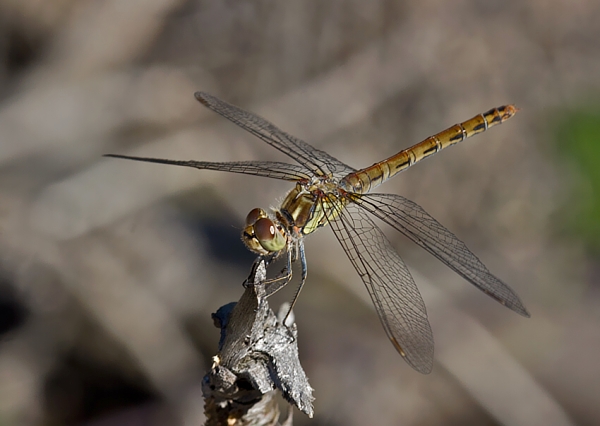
(263, 235)
(303, 207)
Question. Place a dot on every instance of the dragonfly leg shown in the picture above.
(250, 281)
(273, 285)
(304, 272)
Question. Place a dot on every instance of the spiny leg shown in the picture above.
(273, 285)
(304, 271)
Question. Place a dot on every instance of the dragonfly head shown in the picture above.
(261, 234)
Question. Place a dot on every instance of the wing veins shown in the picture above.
(414, 222)
(389, 283)
(269, 169)
(317, 161)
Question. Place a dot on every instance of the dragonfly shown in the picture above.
(329, 192)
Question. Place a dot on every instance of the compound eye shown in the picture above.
(264, 229)
(269, 237)
(254, 215)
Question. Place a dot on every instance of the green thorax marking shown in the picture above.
(310, 207)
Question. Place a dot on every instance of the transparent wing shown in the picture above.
(270, 169)
(314, 160)
(389, 283)
(414, 222)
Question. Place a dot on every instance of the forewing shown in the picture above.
(414, 222)
(270, 169)
(389, 283)
(315, 160)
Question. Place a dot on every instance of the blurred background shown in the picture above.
(109, 270)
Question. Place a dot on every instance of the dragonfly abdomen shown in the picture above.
(366, 179)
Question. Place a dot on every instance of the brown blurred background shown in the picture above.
(109, 270)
